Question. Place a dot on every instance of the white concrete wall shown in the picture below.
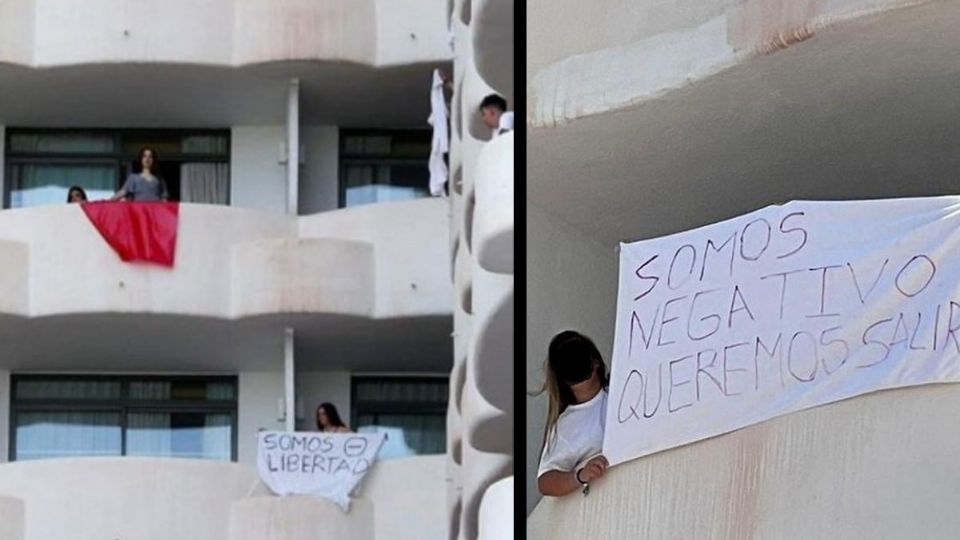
(162, 499)
(879, 466)
(258, 394)
(320, 174)
(410, 29)
(224, 32)
(382, 260)
(300, 518)
(571, 284)
(404, 283)
(257, 178)
(316, 387)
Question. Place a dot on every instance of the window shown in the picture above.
(378, 166)
(411, 410)
(43, 163)
(69, 416)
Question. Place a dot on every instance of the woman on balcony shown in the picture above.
(576, 385)
(146, 184)
(76, 194)
(328, 419)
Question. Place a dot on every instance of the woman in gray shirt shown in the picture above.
(145, 185)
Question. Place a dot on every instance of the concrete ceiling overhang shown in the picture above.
(191, 95)
(864, 108)
(140, 342)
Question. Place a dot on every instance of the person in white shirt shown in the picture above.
(576, 383)
(493, 112)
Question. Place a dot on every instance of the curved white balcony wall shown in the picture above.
(454, 499)
(95, 498)
(303, 276)
(463, 280)
(496, 511)
(14, 296)
(376, 261)
(492, 24)
(410, 251)
(491, 359)
(454, 436)
(493, 216)
(585, 61)
(300, 518)
(479, 471)
(46, 33)
(409, 496)
(11, 518)
(485, 427)
(153, 498)
(876, 466)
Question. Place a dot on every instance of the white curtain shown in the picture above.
(440, 143)
(216, 437)
(207, 183)
(65, 434)
(149, 434)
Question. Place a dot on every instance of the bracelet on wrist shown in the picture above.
(577, 476)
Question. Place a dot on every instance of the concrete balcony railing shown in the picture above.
(492, 21)
(156, 498)
(376, 261)
(44, 33)
(882, 466)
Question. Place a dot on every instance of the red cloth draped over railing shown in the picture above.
(137, 231)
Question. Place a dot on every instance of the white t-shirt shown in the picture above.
(505, 124)
(579, 436)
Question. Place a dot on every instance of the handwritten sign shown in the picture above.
(779, 310)
(328, 465)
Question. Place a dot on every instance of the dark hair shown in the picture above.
(494, 100)
(155, 170)
(76, 188)
(332, 415)
(571, 358)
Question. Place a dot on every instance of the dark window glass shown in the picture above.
(61, 416)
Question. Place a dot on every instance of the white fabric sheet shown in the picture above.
(328, 465)
(783, 309)
(440, 144)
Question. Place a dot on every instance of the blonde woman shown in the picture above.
(576, 383)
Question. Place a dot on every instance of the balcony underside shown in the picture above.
(171, 343)
(863, 108)
(191, 95)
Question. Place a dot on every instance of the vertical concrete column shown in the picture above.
(288, 382)
(293, 145)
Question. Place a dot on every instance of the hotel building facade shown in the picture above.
(311, 266)
(651, 118)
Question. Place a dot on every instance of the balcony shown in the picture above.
(337, 278)
(40, 33)
(882, 465)
(96, 498)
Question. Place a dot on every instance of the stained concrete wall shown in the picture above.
(224, 32)
(160, 499)
(879, 466)
(383, 260)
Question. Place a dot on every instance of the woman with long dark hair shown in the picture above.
(576, 384)
(76, 194)
(328, 419)
(145, 184)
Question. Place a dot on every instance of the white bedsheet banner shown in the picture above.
(779, 310)
(328, 465)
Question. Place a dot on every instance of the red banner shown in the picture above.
(137, 231)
